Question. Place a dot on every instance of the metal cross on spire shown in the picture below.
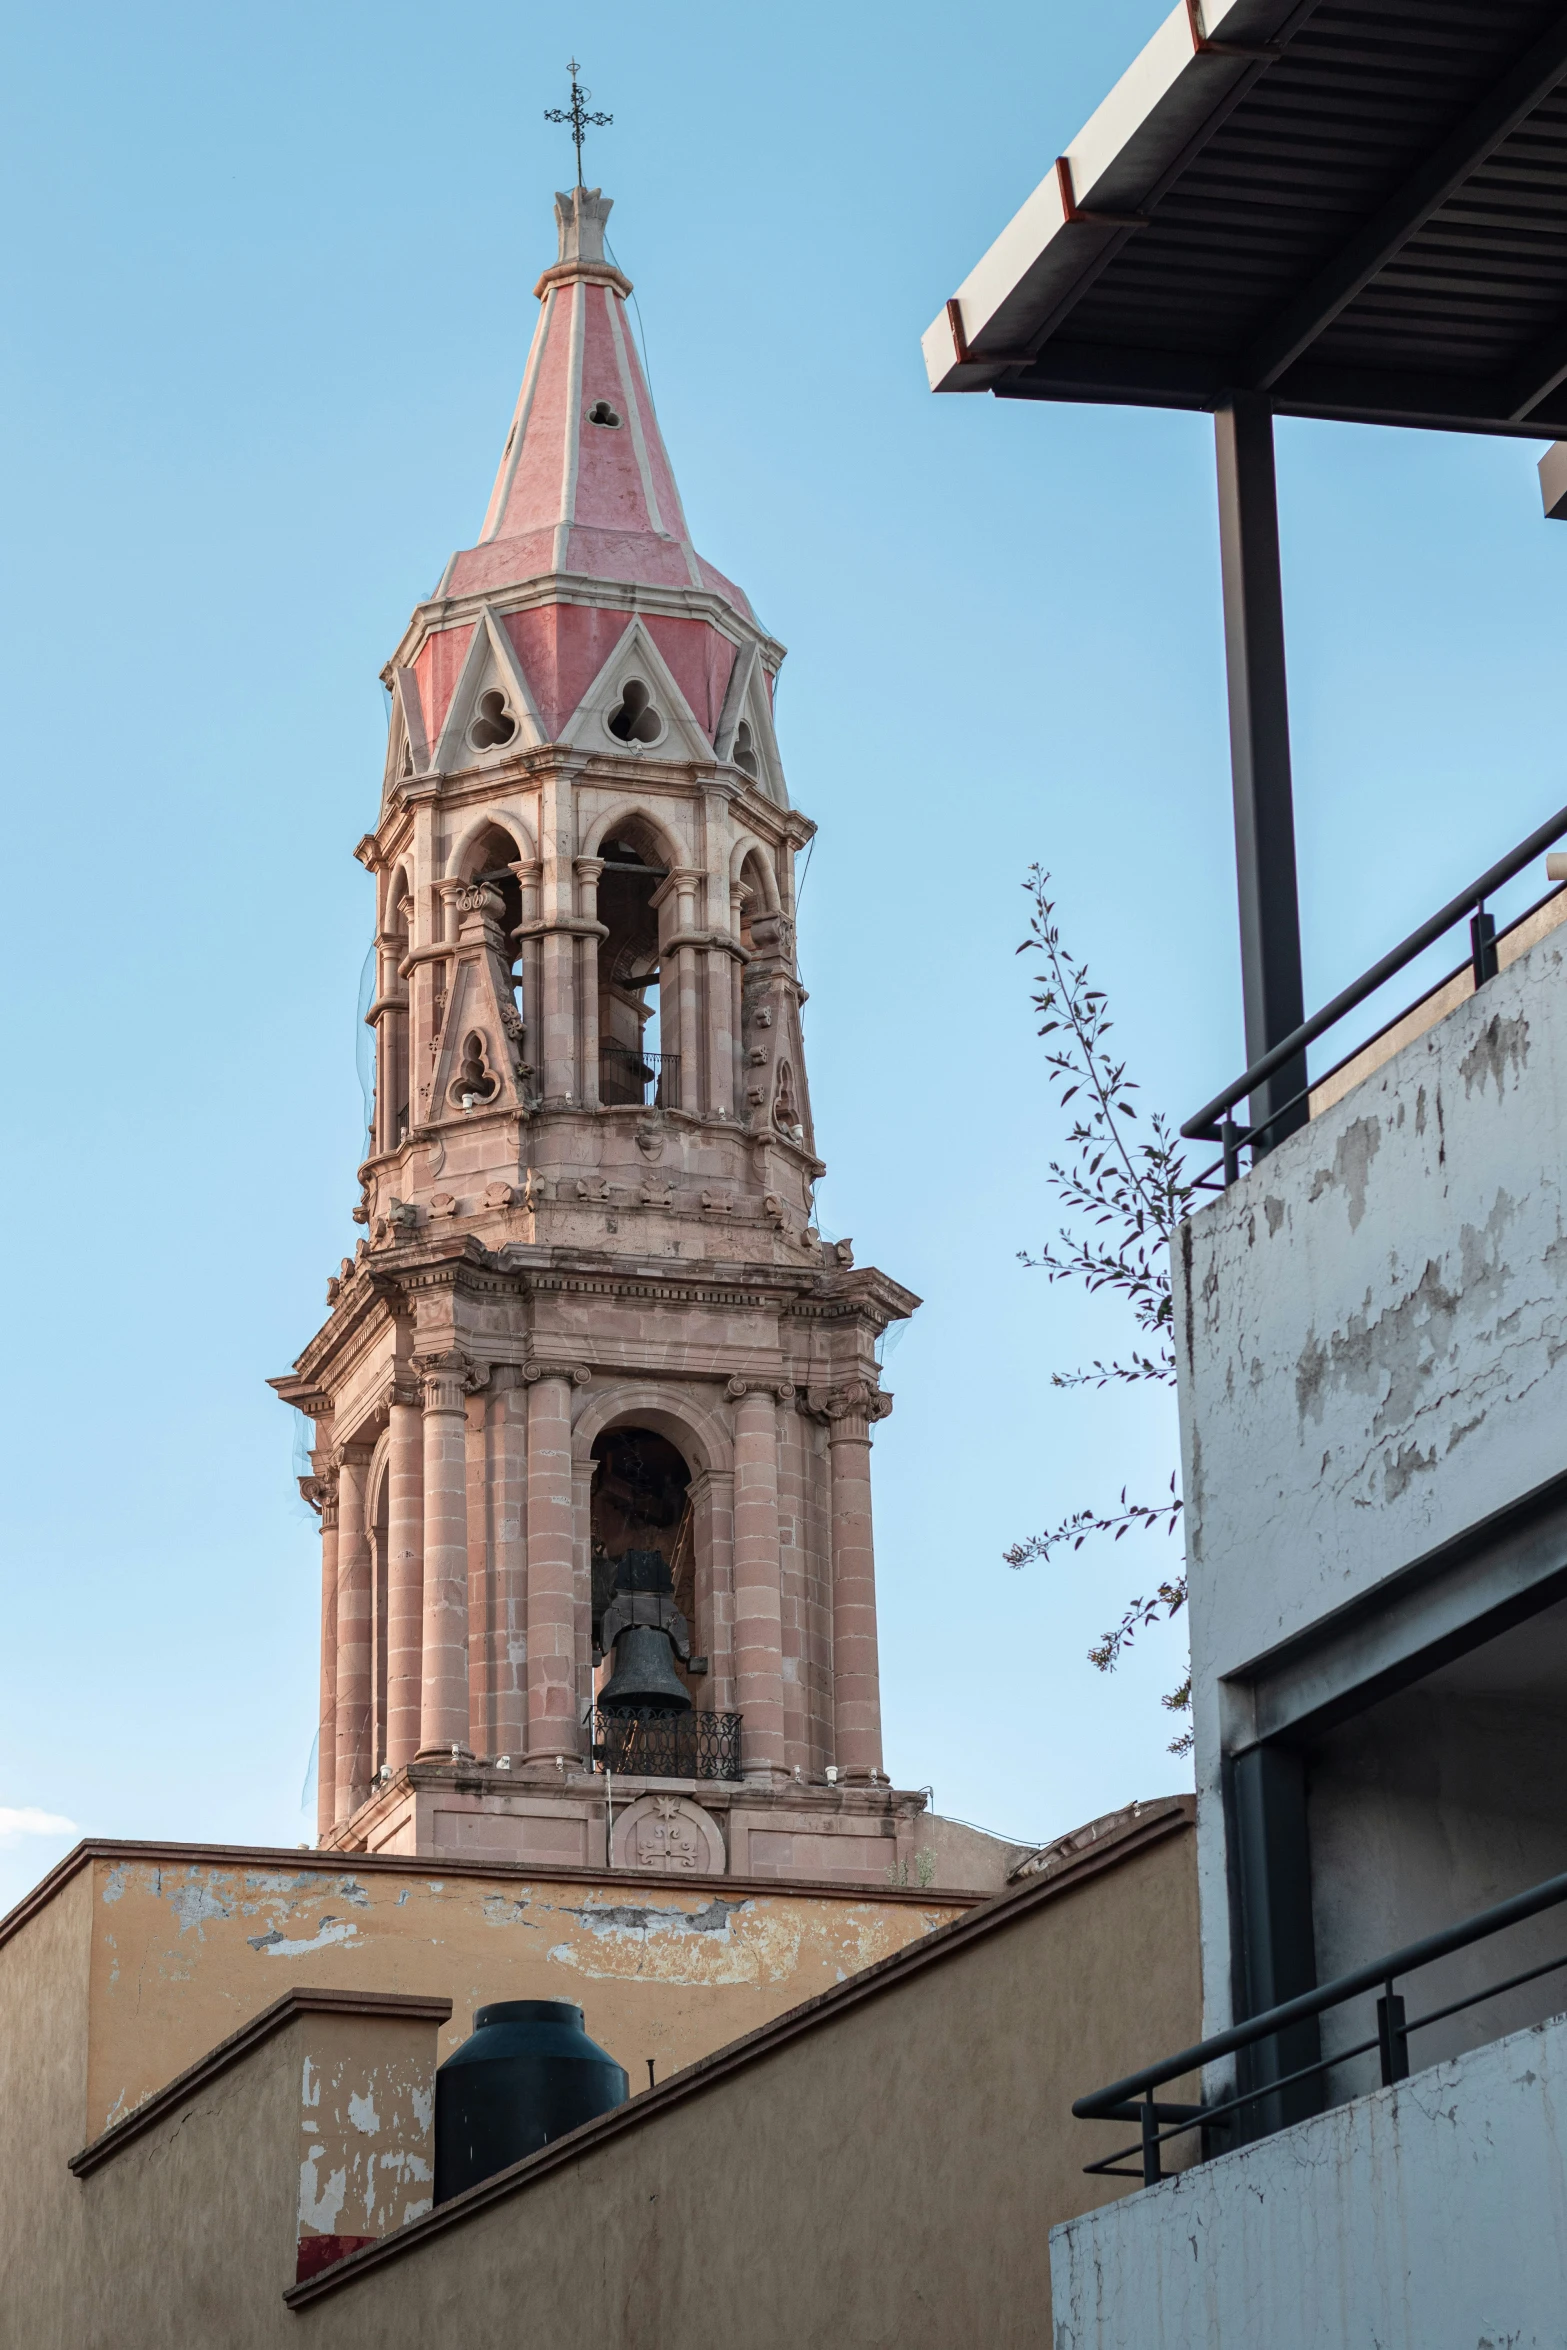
(577, 113)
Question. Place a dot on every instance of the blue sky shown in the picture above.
(268, 299)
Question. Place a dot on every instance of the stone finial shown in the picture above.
(580, 215)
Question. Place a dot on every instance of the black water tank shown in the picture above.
(529, 2074)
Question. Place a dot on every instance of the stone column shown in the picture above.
(404, 1576)
(552, 1630)
(856, 1671)
(758, 1621)
(479, 1469)
(443, 1706)
(588, 870)
(679, 986)
(526, 937)
(720, 1032)
(713, 1509)
(738, 896)
(509, 1475)
(354, 1663)
(323, 1491)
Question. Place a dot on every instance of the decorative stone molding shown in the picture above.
(669, 1832)
(577, 1373)
(442, 1203)
(499, 1195)
(854, 1400)
(445, 1381)
(321, 1493)
(783, 1389)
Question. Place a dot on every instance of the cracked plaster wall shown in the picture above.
(183, 1951)
(1374, 2227)
(1372, 1347)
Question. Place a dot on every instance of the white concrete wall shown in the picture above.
(1430, 2216)
(1372, 1348)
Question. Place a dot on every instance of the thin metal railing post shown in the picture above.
(1230, 1137)
(1482, 945)
(1152, 2169)
(1392, 2039)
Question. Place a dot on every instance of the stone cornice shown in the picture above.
(398, 1276)
(578, 587)
(588, 273)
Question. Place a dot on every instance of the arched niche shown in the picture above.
(698, 1429)
(751, 865)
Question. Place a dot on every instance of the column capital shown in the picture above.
(577, 1373)
(849, 1409)
(446, 1379)
(321, 1493)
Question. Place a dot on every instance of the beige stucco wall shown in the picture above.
(191, 2232)
(881, 2167)
(43, 2109)
(184, 1950)
(889, 2176)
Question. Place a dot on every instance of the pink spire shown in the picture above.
(585, 484)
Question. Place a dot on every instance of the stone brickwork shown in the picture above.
(587, 1191)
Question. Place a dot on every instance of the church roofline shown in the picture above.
(438, 613)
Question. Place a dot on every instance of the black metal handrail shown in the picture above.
(628, 1077)
(1212, 1122)
(651, 1744)
(1132, 2099)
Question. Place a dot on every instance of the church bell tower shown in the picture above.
(593, 1400)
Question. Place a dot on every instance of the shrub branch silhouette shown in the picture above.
(1122, 1197)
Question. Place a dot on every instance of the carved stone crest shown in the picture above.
(669, 1833)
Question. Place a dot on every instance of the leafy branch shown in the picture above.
(1123, 1198)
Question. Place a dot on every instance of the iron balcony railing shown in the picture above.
(651, 1745)
(630, 1079)
(1214, 1123)
(1133, 2099)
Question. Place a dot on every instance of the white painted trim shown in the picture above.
(568, 479)
(500, 496)
(1153, 110)
(512, 670)
(405, 700)
(636, 655)
(490, 652)
(633, 413)
(747, 698)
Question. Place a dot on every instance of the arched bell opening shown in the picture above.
(759, 897)
(645, 1600)
(634, 1068)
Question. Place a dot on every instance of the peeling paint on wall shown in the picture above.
(196, 1950)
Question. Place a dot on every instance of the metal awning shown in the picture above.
(1356, 208)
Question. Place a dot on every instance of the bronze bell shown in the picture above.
(644, 1678)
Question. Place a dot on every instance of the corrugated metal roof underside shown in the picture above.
(1457, 324)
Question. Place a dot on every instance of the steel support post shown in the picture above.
(1275, 1957)
(1271, 990)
